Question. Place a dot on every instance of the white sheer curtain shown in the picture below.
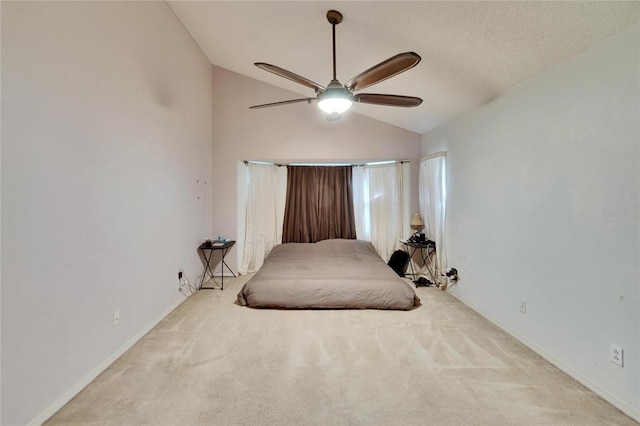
(360, 188)
(266, 196)
(433, 206)
(380, 205)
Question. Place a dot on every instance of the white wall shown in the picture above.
(106, 121)
(297, 132)
(543, 186)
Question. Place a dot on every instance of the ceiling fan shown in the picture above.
(337, 98)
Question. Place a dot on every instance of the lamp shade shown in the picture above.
(416, 220)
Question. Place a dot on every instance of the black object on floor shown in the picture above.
(423, 282)
(399, 261)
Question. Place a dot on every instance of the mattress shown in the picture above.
(329, 274)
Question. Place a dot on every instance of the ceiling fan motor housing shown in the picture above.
(335, 98)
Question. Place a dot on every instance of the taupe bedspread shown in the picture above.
(328, 274)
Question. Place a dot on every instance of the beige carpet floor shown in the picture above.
(212, 362)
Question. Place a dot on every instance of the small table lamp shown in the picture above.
(416, 222)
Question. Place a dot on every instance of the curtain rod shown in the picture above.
(372, 163)
(434, 155)
(264, 163)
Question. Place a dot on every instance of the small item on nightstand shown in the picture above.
(207, 243)
(418, 237)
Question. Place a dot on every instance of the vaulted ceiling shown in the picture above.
(471, 51)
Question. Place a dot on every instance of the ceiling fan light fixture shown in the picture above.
(332, 105)
(336, 99)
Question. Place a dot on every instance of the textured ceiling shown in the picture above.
(471, 51)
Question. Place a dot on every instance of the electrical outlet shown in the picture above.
(616, 354)
(523, 306)
(116, 318)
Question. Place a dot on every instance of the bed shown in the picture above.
(329, 274)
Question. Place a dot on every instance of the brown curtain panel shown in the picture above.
(319, 204)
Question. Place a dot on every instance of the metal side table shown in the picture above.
(425, 249)
(210, 249)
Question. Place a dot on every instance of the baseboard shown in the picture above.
(627, 409)
(67, 396)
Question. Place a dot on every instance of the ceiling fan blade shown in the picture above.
(292, 101)
(289, 75)
(384, 70)
(388, 100)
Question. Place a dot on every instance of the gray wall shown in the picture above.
(106, 145)
(543, 186)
